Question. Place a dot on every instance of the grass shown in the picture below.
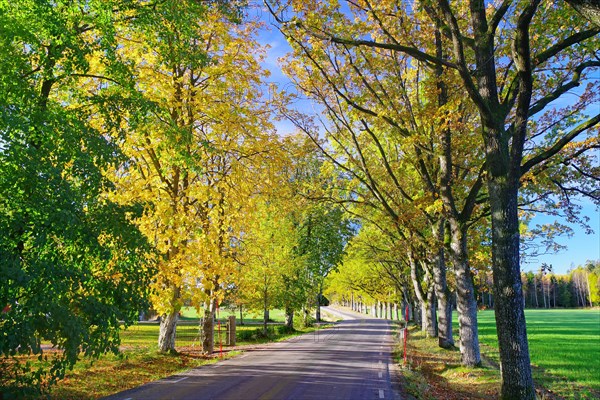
(564, 349)
(140, 363)
(435, 373)
(277, 315)
(114, 373)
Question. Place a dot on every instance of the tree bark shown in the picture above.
(589, 9)
(445, 339)
(430, 325)
(289, 319)
(208, 327)
(465, 301)
(417, 315)
(167, 332)
(168, 325)
(306, 316)
(517, 381)
(428, 310)
(318, 311)
(265, 321)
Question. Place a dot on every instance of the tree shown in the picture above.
(195, 156)
(510, 76)
(269, 261)
(324, 232)
(323, 229)
(588, 9)
(72, 267)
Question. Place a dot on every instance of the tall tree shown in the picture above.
(196, 155)
(71, 265)
(270, 262)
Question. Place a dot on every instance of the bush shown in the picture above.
(284, 330)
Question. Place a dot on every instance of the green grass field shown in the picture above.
(145, 335)
(564, 347)
(190, 313)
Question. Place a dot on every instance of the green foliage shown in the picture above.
(325, 232)
(71, 265)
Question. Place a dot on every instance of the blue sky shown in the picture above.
(580, 247)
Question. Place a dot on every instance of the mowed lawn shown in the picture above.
(564, 346)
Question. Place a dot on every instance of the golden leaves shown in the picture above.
(196, 160)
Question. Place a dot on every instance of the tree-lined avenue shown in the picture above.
(349, 361)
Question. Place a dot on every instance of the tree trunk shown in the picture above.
(517, 381)
(208, 327)
(537, 304)
(430, 325)
(306, 316)
(241, 315)
(167, 333)
(265, 321)
(543, 292)
(466, 303)
(428, 318)
(442, 292)
(318, 311)
(417, 314)
(589, 288)
(289, 318)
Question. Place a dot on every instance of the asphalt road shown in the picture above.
(350, 361)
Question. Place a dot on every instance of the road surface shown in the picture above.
(350, 361)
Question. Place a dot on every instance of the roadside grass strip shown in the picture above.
(565, 355)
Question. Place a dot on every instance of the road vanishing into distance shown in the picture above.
(349, 361)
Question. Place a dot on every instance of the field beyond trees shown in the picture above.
(565, 358)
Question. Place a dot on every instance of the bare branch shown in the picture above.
(558, 146)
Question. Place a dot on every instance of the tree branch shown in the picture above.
(558, 146)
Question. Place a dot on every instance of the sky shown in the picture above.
(580, 247)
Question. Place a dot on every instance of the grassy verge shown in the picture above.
(565, 355)
(435, 373)
(114, 373)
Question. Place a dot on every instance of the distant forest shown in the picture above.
(580, 287)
